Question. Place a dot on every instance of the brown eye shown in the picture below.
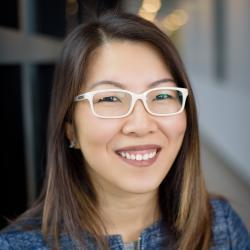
(109, 99)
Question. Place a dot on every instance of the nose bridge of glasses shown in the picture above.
(138, 97)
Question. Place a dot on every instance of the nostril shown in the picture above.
(139, 123)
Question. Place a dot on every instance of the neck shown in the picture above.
(128, 214)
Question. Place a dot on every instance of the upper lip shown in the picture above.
(139, 147)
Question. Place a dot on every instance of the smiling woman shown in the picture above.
(134, 133)
(123, 168)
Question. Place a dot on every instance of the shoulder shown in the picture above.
(228, 229)
(27, 235)
(16, 236)
(21, 240)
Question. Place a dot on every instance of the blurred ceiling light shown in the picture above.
(169, 25)
(175, 20)
(151, 6)
(181, 15)
(150, 16)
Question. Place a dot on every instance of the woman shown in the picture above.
(123, 168)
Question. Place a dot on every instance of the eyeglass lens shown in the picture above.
(115, 103)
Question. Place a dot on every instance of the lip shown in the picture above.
(139, 149)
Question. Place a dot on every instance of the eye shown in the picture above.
(109, 99)
(163, 96)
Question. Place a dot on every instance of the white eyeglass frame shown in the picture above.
(89, 96)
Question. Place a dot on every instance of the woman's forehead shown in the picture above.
(126, 62)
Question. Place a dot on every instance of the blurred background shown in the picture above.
(213, 38)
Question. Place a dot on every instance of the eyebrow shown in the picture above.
(120, 85)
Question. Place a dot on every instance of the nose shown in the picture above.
(139, 122)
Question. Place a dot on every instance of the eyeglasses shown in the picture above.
(118, 103)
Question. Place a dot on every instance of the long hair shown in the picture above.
(68, 200)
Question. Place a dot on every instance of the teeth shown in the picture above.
(128, 156)
(132, 157)
(138, 157)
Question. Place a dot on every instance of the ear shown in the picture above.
(69, 130)
(71, 134)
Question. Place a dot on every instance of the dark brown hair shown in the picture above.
(68, 200)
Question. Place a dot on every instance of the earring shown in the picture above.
(72, 144)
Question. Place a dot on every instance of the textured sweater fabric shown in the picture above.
(229, 233)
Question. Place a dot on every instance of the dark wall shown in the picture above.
(47, 19)
(25, 126)
(12, 162)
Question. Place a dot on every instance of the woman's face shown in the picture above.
(103, 141)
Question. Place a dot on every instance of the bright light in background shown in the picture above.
(149, 9)
(171, 23)
(151, 5)
(175, 20)
(180, 17)
(147, 15)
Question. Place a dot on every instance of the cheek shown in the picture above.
(95, 132)
(174, 127)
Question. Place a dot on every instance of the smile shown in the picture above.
(144, 155)
(138, 157)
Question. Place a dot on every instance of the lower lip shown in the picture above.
(142, 163)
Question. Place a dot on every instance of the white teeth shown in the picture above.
(138, 157)
(132, 157)
(128, 156)
(151, 155)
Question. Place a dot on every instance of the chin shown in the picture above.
(140, 187)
